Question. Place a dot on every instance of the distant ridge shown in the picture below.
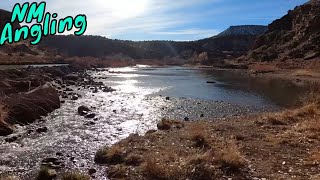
(254, 30)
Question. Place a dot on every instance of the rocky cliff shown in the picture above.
(296, 36)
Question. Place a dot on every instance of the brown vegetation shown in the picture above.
(282, 145)
(178, 154)
(75, 176)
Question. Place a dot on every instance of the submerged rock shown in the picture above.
(92, 171)
(11, 139)
(83, 110)
(42, 130)
(90, 116)
(211, 82)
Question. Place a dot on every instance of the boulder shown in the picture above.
(27, 107)
(83, 110)
(5, 129)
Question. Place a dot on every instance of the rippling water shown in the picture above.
(139, 102)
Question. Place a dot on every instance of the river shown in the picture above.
(144, 95)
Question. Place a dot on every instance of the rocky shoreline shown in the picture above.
(28, 94)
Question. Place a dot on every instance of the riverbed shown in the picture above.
(144, 95)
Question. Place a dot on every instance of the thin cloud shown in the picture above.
(115, 18)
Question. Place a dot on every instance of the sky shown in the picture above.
(180, 20)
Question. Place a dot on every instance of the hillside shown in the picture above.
(217, 48)
(22, 52)
(254, 30)
(294, 37)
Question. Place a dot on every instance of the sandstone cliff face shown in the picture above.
(296, 36)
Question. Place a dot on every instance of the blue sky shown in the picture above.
(167, 19)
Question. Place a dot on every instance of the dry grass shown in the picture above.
(46, 174)
(166, 124)
(117, 172)
(184, 153)
(198, 135)
(230, 156)
(112, 155)
(262, 68)
(9, 178)
(75, 176)
(207, 150)
(305, 73)
(3, 113)
(303, 114)
(157, 170)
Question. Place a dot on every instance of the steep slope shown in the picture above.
(254, 30)
(294, 37)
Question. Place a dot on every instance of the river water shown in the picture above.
(144, 95)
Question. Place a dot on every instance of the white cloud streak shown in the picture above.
(115, 18)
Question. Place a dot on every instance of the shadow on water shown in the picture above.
(281, 92)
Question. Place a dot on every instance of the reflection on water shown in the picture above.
(139, 102)
(278, 91)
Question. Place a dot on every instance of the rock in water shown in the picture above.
(90, 116)
(27, 107)
(42, 130)
(83, 110)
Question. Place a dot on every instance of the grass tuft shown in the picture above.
(230, 157)
(106, 155)
(198, 136)
(166, 124)
(75, 176)
(46, 174)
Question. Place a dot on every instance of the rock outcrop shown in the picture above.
(296, 36)
(27, 107)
